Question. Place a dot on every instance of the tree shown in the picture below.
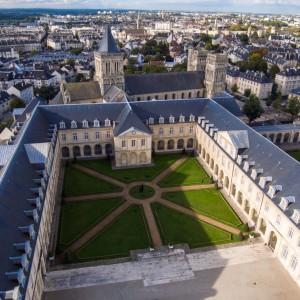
(208, 46)
(247, 92)
(293, 106)
(32, 53)
(76, 51)
(274, 70)
(252, 108)
(263, 67)
(71, 62)
(234, 88)
(278, 100)
(91, 74)
(244, 38)
(180, 67)
(154, 69)
(16, 103)
(79, 77)
(135, 51)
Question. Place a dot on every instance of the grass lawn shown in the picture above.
(162, 161)
(128, 232)
(208, 202)
(147, 192)
(295, 154)
(78, 217)
(79, 183)
(177, 228)
(189, 173)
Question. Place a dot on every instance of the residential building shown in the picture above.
(288, 80)
(23, 91)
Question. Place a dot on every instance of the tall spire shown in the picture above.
(108, 44)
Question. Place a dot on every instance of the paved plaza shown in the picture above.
(244, 272)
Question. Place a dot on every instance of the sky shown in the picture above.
(254, 6)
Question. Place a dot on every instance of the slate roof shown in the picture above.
(108, 44)
(21, 86)
(16, 178)
(290, 72)
(83, 90)
(296, 91)
(163, 82)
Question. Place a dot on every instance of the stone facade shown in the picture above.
(109, 70)
(215, 74)
(197, 59)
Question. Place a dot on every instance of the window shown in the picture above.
(62, 125)
(171, 119)
(132, 143)
(97, 135)
(73, 124)
(191, 129)
(85, 124)
(290, 233)
(285, 252)
(267, 207)
(242, 180)
(258, 196)
(171, 130)
(108, 134)
(107, 122)
(181, 130)
(143, 142)
(151, 120)
(161, 131)
(192, 118)
(294, 262)
(85, 136)
(250, 188)
(181, 118)
(278, 220)
(96, 123)
(123, 144)
(74, 136)
(63, 137)
(161, 120)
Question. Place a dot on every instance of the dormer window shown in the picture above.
(151, 120)
(96, 123)
(286, 201)
(62, 125)
(255, 173)
(241, 158)
(171, 119)
(192, 118)
(263, 181)
(248, 164)
(73, 124)
(85, 124)
(107, 123)
(273, 190)
(296, 216)
(204, 122)
(181, 119)
(161, 120)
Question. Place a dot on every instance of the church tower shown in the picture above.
(196, 59)
(215, 74)
(138, 21)
(108, 63)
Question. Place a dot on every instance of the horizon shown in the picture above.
(271, 7)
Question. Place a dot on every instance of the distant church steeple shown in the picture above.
(109, 63)
(138, 21)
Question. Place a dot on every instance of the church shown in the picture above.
(205, 78)
(259, 177)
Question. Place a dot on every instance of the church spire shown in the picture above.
(108, 44)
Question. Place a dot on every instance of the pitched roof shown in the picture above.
(83, 90)
(108, 44)
(163, 82)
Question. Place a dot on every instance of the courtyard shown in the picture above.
(105, 213)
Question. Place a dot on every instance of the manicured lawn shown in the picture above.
(295, 154)
(176, 228)
(189, 173)
(128, 232)
(79, 183)
(162, 161)
(147, 192)
(208, 202)
(78, 217)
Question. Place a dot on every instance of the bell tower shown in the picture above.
(215, 74)
(108, 63)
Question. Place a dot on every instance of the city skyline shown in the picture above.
(255, 6)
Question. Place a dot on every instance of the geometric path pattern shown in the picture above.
(146, 204)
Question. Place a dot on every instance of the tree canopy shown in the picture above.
(16, 103)
(252, 108)
(293, 106)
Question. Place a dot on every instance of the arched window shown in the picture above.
(87, 150)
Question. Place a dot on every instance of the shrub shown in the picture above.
(245, 227)
(216, 187)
